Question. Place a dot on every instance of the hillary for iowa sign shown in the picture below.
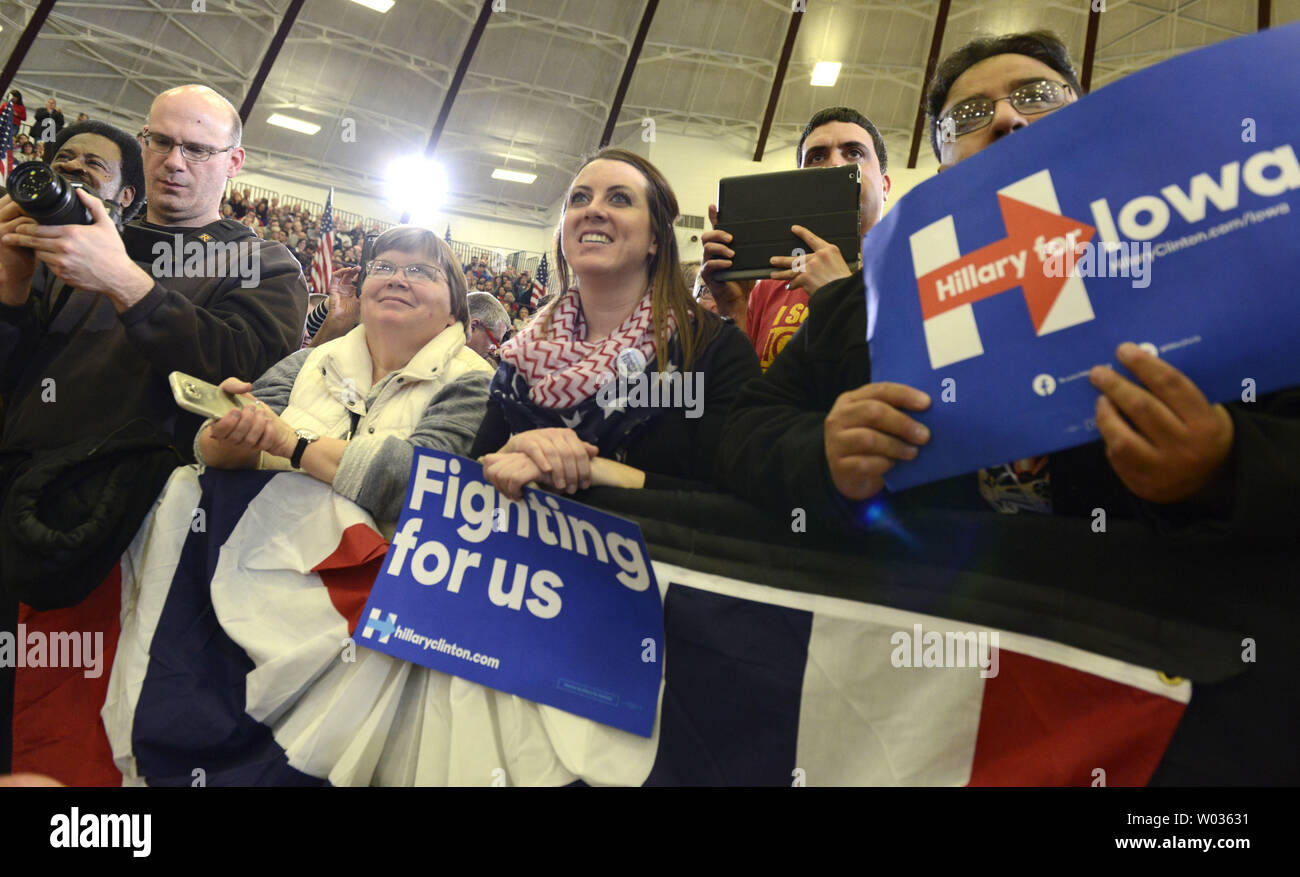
(546, 598)
(1163, 210)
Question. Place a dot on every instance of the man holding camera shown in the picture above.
(93, 320)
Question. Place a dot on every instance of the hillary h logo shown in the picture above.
(385, 628)
(950, 283)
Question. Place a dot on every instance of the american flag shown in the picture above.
(539, 283)
(7, 140)
(322, 265)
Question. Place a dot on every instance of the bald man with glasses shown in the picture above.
(92, 321)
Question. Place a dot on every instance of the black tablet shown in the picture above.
(758, 210)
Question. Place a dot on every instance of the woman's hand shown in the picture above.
(563, 459)
(510, 473)
(251, 429)
(555, 457)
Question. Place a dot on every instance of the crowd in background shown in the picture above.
(27, 138)
(515, 289)
(298, 228)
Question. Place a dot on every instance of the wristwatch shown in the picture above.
(305, 437)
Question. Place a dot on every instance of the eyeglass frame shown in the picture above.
(484, 326)
(1069, 89)
(208, 151)
(441, 274)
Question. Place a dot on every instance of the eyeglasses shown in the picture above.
(416, 272)
(978, 112)
(189, 151)
(488, 332)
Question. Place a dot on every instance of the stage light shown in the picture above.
(826, 72)
(513, 176)
(293, 124)
(417, 186)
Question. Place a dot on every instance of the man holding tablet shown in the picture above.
(770, 311)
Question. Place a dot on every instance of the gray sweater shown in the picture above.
(378, 484)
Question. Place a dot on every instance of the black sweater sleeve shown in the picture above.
(492, 433)
(772, 450)
(728, 364)
(231, 331)
(1259, 505)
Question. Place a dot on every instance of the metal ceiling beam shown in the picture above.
(458, 77)
(777, 81)
(268, 60)
(629, 68)
(1090, 48)
(662, 114)
(901, 75)
(936, 43)
(174, 22)
(585, 104)
(337, 109)
(341, 40)
(611, 44)
(111, 39)
(760, 67)
(214, 12)
(24, 43)
(1159, 15)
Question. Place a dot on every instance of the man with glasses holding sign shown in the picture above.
(817, 433)
(92, 321)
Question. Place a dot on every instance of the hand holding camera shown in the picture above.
(75, 233)
(17, 264)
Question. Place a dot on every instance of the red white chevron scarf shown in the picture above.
(564, 370)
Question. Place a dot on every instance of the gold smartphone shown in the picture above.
(200, 397)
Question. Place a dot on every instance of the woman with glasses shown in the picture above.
(623, 380)
(351, 411)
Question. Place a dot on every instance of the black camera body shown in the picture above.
(51, 199)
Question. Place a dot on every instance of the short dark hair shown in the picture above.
(843, 114)
(132, 163)
(1041, 45)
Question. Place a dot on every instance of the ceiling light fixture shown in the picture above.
(377, 5)
(293, 124)
(826, 72)
(417, 186)
(513, 176)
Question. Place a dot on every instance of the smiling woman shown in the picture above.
(351, 411)
(624, 380)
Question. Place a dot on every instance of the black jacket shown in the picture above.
(73, 370)
(675, 452)
(38, 125)
(774, 454)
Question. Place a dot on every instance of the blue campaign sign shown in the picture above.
(1164, 209)
(546, 598)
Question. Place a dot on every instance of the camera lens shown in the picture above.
(45, 196)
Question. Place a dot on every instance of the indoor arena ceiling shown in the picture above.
(540, 84)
